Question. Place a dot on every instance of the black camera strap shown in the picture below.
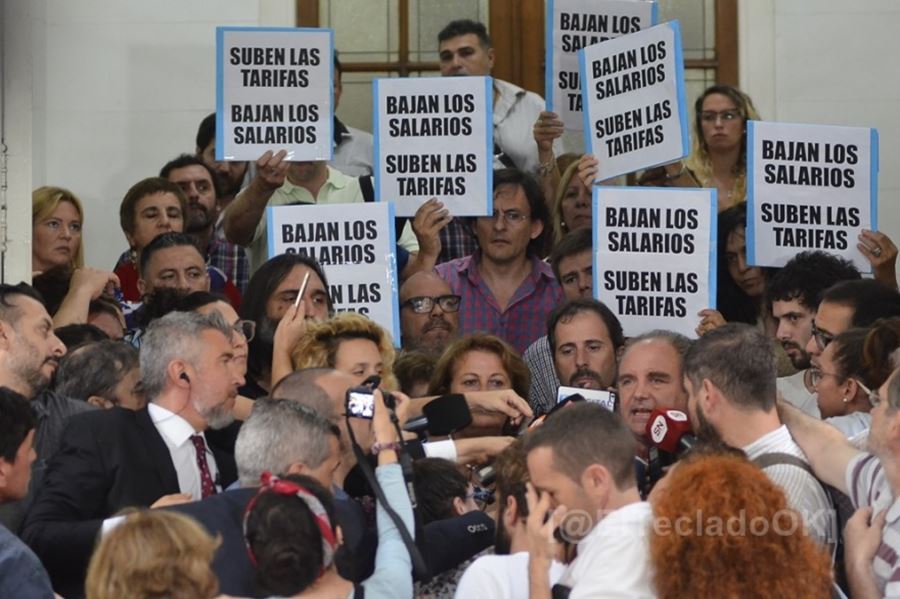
(420, 568)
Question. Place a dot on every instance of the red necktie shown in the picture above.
(207, 487)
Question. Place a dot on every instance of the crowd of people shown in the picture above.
(199, 420)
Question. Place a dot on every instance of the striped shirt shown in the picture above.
(869, 487)
(544, 380)
(804, 492)
(525, 317)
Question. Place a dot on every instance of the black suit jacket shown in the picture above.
(108, 460)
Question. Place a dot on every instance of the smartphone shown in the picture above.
(607, 399)
(360, 402)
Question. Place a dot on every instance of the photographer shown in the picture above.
(290, 534)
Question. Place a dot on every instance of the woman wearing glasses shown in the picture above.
(850, 366)
(718, 156)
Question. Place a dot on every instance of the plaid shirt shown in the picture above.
(229, 258)
(457, 240)
(524, 319)
(544, 380)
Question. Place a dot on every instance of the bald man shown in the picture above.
(429, 313)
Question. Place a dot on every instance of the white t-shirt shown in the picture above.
(501, 577)
(793, 390)
(614, 559)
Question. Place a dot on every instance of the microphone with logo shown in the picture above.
(670, 436)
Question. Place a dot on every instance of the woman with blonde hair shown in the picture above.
(572, 205)
(153, 553)
(56, 221)
(719, 152)
(351, 343)
(722, 528)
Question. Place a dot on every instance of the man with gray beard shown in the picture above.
(112, 459)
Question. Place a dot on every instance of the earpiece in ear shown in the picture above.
(183, 376)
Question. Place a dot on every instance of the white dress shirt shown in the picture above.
(177, 432)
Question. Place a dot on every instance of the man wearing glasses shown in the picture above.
(850, 304)
(795, 293)
(506, 289)
(429, 314)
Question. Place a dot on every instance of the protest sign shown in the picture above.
(655, 256)
(633, 91)
(274, 92)
(573, 25)
(810, 187)
(356, 246)
(434, 137)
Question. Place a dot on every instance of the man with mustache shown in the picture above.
(203, 221)
(573, 266)
(429, 314)
(158, 455)
(729, 374)
(585, 337)
(29, 356)
(795, 292)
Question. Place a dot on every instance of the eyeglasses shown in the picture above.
(822, 338)
(872, 396)
(711, 116)
(425, 304)
(510, 217)
(247, 328)
(816, 376)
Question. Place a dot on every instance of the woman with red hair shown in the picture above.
(723, 529)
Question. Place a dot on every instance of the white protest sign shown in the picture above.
(655, 256)
(633, 92)
(434, 137)
(810, 187)
(575, 24)
(356, 246)
(274, 92)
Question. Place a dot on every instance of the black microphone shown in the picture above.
(670, 431)
(442, 416)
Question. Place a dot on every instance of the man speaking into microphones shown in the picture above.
(650, 377)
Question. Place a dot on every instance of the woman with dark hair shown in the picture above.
(722, 528)
(271, 295)
(291, 536)
(849, 368)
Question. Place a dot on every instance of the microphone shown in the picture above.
(670, 431)
(442, 416)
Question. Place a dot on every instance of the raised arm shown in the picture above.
(243, 214)
(827, 448)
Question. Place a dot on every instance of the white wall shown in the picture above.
(100, 93)
(830, 62)
(119, 89)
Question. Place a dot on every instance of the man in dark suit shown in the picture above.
(112, 459)
(282, 437)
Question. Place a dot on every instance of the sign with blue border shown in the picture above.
(633, 93)
(655, 256)
(356, 247)
(274, 91)
(434, 138)
(809, 187)
(575, 24)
